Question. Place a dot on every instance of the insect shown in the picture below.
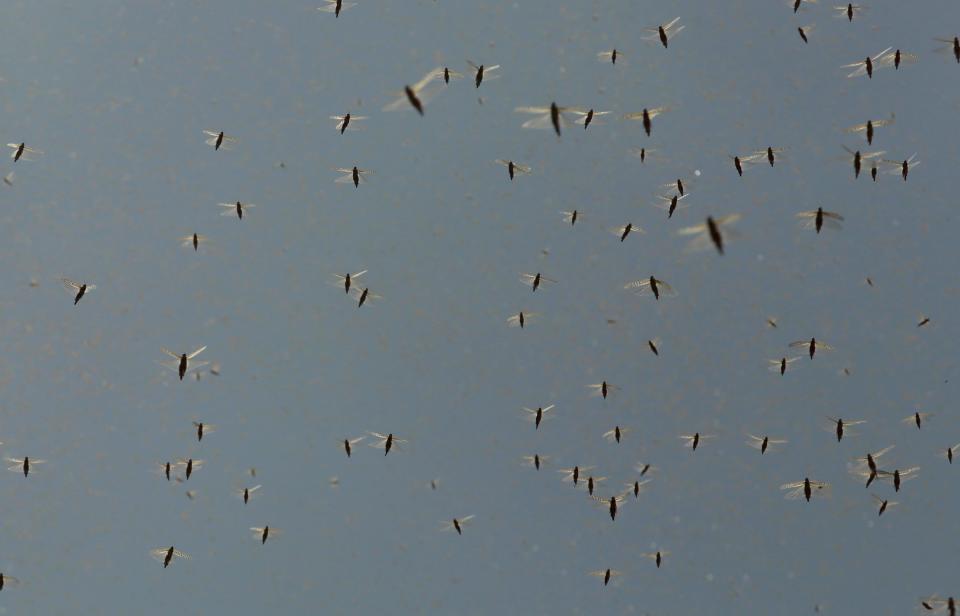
(692, 441)
(247, 493)
(535, 460)
(481, 71)
(520, 319)
(457, 524)
(264, 532)
(849, 11)
(535, 280)
(935, 604)
(868, 127)
(8, 580)
(20, 150)
(652, 285)
(166, 555)
(903, 167)
(917, 418)
(363, 295)
(194, 240)
(606, 574)
(218, 139)
(513, 168)
(898, 476)
(948, 454)
(712, 231)
(387, 442)
(447, 74)
(354, 175)
(806, 488)
(644, 468)
(23, 465)
(896, 58)
(77, 288)
(764, 443)
(804, 31)
(838, 426)
(189, 465)
(798, 3)
(638, 486)
(571, 217)
(780, 365)
(656, 557)
(953, 46)
(556, 117)
(865, 67)
(812, 346)
(237, 208)
(883, 504)
(537, 415)
(664, 32)
(183, 363)
(625, 230)
(345, 121)
(654, 346)
(870, 460)
(858, 160)
(670, 203)
(614, 435)
(347, 279)
(573, 474)
(602, 389)
(611, 504)
(336, 6)
(815, 219)
(417, 95)
(203, 428)
(646, 116)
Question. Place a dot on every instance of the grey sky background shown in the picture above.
(117, 94)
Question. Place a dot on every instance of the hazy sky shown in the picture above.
(116, 95)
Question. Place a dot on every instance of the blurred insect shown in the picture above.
(923, 321)
(815, 219)
(20, 150)
(859, 159)
(867, 128)
(189, 465)
(865, 67)
(611, 504)
(903, 167)
(642, 153)
(654, 346)
(481, 71)
(203, 428)
(183, 363)
(8, 179)
(534, 280)
(354, 175)
(335, 6)
(387, 442)
(805, 488)
(520, 319)
(573, 474)
(953, 46)
(447, 74)
(798, 3)
(614, 435)
(897, 476)
(537, 415)
(839, 426)
(664, 32)
(363, 295)
(812, 346)
(247, 493)
(513, 168)
(348, 444)
(235, 208)
(644, 468)
(218, 139)
(780, 365)
(647, 116)
(692, 441)
(652, 286)
(263, 533)
(670, 203)
(587, 117)
(917, 418)
(76, 288)
(556, 117)
(571, 217)
(678, 185)
(656, 557)
(772, 322)
(193, 240)
(763, 443)
(896, 58)
(602, 389)
(870, 460)
(417, 95)
(770, 153)
(8, 580)
(948, 454)
(849, 11)
(804, 31)
(625, 230)
(940, 606)
(347, 279)
(166, 555)
(883, 503)
(711, 231)
(457, 524)
(637, 487)
(164, 469)
(740, 163)
(606, 574)
(345, 121)
(23, 464)
(592, 483)
(610, 56)
(535, 460)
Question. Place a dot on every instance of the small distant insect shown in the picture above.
(805, 488)
(654, 346)
(203, 428)
(20, 150)
(804, 31)
(592, 483)
(571, 217)
(183, 363)
(166, 555)
(481, 71)
(457, 524)
(917, 418)
(344, 121)
(8, 179)
(935, 604)
(521, 318)
(22, 465)
(923, 321)
(556, 117)
(780, 365)
(347, 279)
(647, 116)
(772, 322)
(948, 454)
(644, 468)
(602, 389)
(535, 460)
(263, 533)
(194, 240)
(849, 11)
(651, 285)
(896, 58)
(815, 219)
(537, 415)
(606, 574)
(883, 503)
(625, 230)
(865, 67)
(387, 442)
(335, 6)
(764, 443)
(670, 203)
(614, 435)
(953, 46)
(868, 127)
(447, 74)
(897, 476)
(637, 487)
(798, 3)
(165, 469)
(535, 280)
(363, 295)
(417, 95)
(247, 493)
(77, 288)
(237, 208)
(513, 168)
(693, 441)
(656, 557)
(612, 503)
(710, 232)
(353, 175)
(740, 163)
(664, 32)
(870, 460)
(8, 580)
(903, 167)
(812, 346)
(218, 140)
(859, 159)
(611, 55)
(587, 117)
(189, 465)
(573, 474)
(839, 426)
